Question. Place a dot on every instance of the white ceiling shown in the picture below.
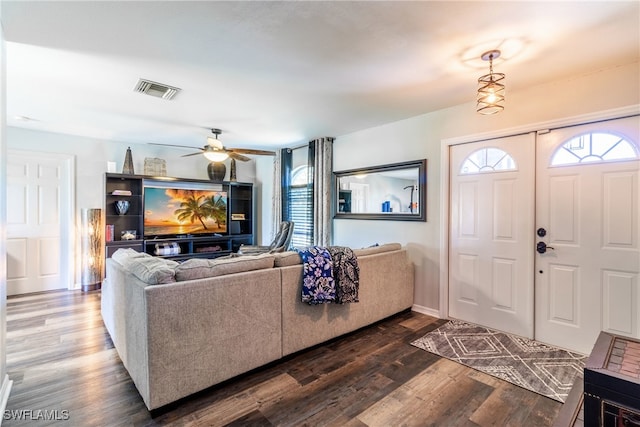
(274, 73)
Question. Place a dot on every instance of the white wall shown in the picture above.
(91, 157)
(420, 137)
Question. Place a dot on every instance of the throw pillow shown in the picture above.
(387, 247)
(122, 255)
(152, 270)
(284, 259)
(198, 268)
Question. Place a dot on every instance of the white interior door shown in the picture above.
(491, 237)
(39, 252)
(588, 203)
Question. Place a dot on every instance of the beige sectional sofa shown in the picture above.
(225, 317)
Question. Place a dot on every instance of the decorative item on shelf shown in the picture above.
(232, 174)
(91, 249)
(237, 217)
(155, 167)
(127, 167)
(490, 98)
(169, 248)
(216, 171)
(122, 206)
(121, 193)
(209, 249)
(128, 235)
(109, 232)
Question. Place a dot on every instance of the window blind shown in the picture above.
(301, 212)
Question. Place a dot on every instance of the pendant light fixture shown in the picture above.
(490, 98)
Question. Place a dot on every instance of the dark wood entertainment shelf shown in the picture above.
(240, 219)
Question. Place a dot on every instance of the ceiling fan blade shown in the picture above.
(250, 151)
(237, 156)
(192, 154)
(173, 145)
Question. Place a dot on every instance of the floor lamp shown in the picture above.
(91, 247)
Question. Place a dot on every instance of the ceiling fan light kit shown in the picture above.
(216, 156)
(490, 97)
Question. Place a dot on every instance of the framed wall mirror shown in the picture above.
(396, 192)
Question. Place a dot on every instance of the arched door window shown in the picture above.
(487, 160)
(593, 148)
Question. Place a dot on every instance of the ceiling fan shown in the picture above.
(214, 150)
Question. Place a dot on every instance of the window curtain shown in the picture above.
(276, 199)
(296, 201)
(320, 174)
(286, 160)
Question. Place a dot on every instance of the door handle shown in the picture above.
(542, 247)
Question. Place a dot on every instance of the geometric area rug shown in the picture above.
(537, 367)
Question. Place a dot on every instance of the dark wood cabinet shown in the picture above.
(130, 189)
(612, 382)
(241, 210)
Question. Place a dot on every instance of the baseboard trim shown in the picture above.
(426, 310)
(4, 394)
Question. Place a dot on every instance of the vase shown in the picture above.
(232, 174)
(216, 171)
(127, 167)
(122, 206)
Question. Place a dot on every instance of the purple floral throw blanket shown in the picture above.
(330, 275)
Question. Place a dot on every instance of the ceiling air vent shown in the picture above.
(158, 90)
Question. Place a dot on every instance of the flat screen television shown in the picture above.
(184, 211)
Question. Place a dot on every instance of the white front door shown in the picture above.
(588, 203)
(587, 207)
(39, 250)
(491, 239)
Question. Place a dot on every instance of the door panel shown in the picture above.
(563, 293)
(37, 188)
(588, 281)
(619, 293)
(619, 212)
(491, 238)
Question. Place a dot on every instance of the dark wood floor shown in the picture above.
(61, 358)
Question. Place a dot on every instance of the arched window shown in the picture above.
(301, 207)
(489, 159)
(593, 148)
(300, 175)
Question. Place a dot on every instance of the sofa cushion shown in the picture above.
(387, 247)
(199, 268)
(284, 259)
(122, 255)
(152, 270)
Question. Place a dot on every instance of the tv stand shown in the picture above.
(190, 247)
(240, 218)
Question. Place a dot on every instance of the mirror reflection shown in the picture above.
(382, 192)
